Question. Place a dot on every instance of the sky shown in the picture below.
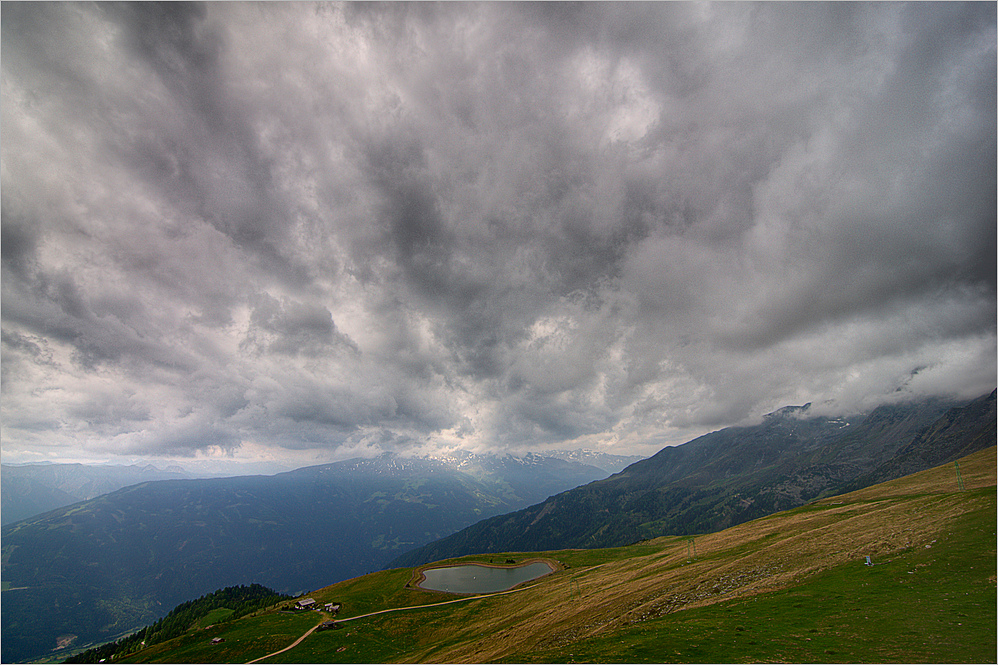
(291, 233)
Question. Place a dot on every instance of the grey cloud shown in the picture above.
(314, 226)
(186, 440)
(55, 307)
(205, 158)
(297, 328)
(23, 343)
(106, 415)
(424, 246)
(19, 241)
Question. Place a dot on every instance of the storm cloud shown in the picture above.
(307, 231)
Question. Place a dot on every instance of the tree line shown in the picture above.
(242, 600)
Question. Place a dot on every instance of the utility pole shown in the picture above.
(959, 478)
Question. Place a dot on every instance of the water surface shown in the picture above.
(472, 578)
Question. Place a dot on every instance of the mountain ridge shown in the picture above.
(31, 489)
(709, 483)
(27, 490)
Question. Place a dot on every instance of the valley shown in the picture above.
(118, 562)
(793, 586)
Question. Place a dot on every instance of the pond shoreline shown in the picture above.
(419, 576)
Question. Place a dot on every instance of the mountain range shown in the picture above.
(31, 489)
(109, 565)
(114, 563)
(732, 476)
(607, 461)
(899, 572)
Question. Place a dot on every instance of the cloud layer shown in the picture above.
(299, 229)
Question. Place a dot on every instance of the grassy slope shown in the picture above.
(788, 587)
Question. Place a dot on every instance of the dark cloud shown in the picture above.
(317, 228)
(295, 328)
(18, 244)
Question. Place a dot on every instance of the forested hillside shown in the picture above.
(220, 606)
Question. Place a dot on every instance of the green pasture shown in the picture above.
(924, 605)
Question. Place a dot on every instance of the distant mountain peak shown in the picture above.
(609, 462)
(788, 412)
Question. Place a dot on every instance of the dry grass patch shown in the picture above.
(759, 557)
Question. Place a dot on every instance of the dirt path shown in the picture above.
(287, 648)
(446, 602)
(392, 609)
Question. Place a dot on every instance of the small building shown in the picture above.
(332, 607)
(305, 604)
(217, 640)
